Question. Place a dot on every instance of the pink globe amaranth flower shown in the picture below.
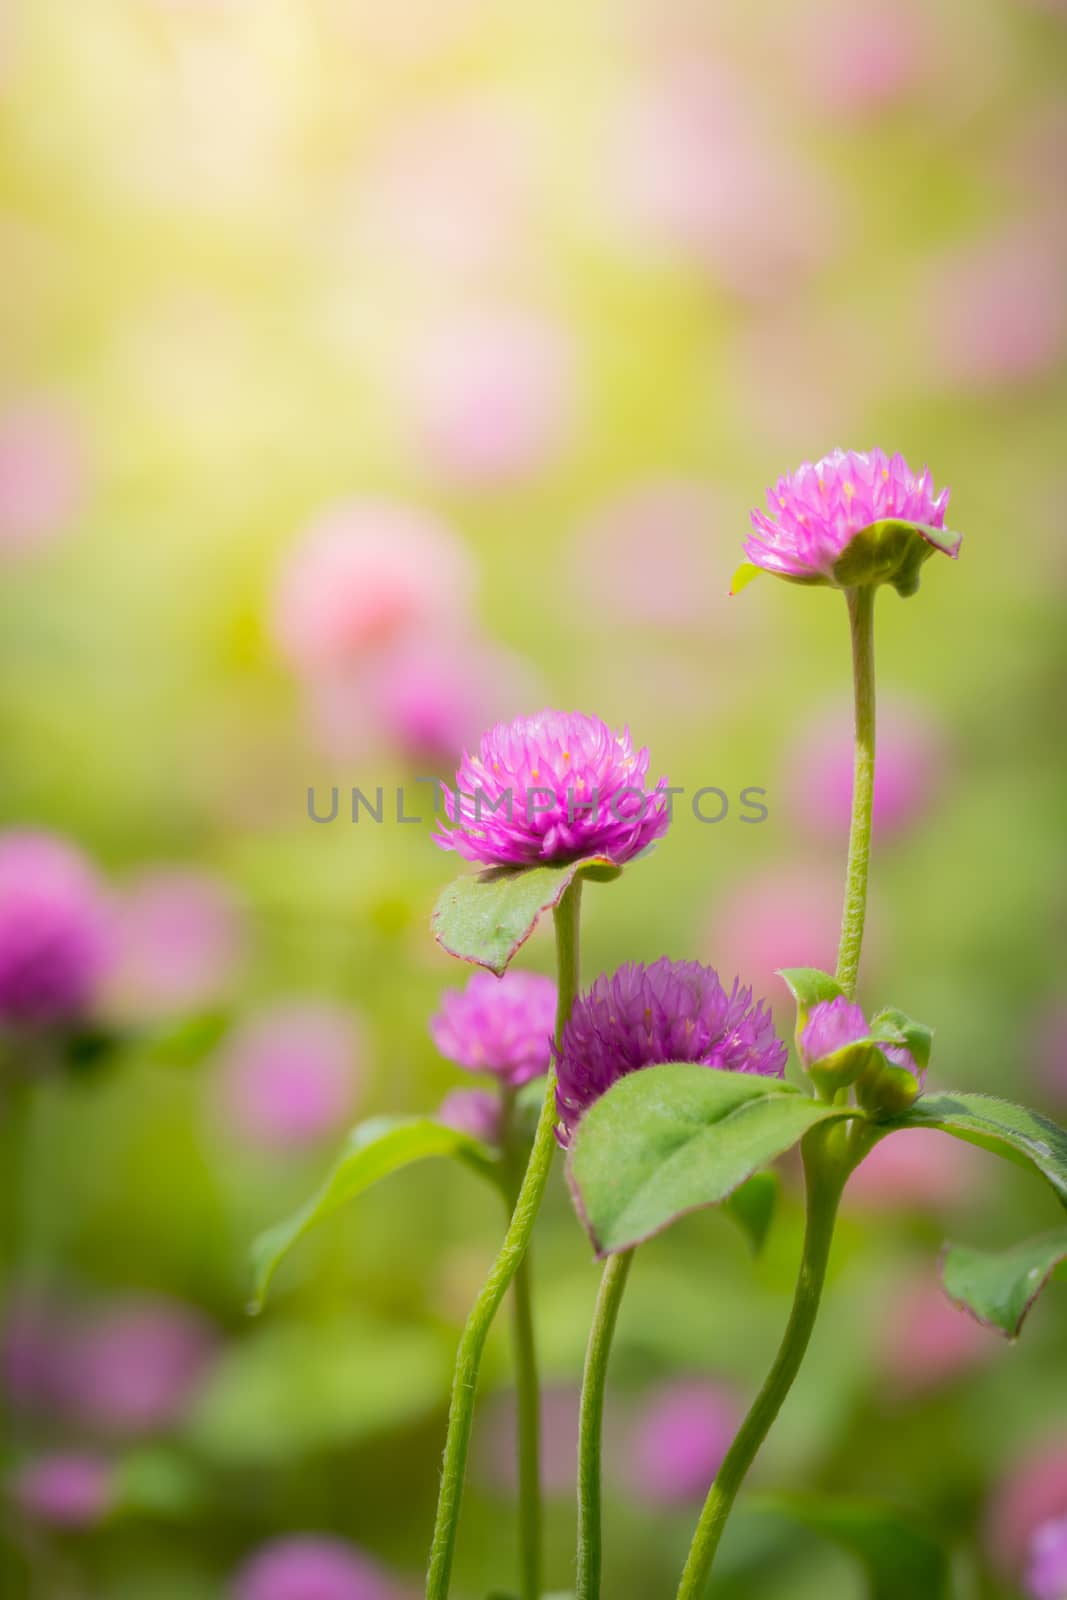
(643, 558)
(492, 395)
(927, 1342)
(498, 1025)
(67, 1489)
(290, 1076)
(430, 697)
(997, 313)
(678, 1441)
(180, 939)
(817, 511)
(557, 786)
(1032, 1492)
(1046, 1575)
(783, 916)
(42, 474)
(908, 773)
(365, 575)
(915, 1170)
(670, 1011)
(134, 1367)
(859, 57)
(310, 1566)
(473, 1111)
(55, 933)
(831, 1025)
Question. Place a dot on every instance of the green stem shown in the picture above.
(861, 621)
(825, 1169)
(591, 1421)
(501, 1273)
(527, 1390)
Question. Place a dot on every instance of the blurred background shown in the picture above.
(370, 372)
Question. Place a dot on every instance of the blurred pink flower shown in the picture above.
(926, 1341)
(55, 933)
(363, 576)
(915, 1169)
(290, 1075)
(559, 1442)
(678, 1441)
(998, 313)
(180, 940)
(645, 557)
(492, 396)
(473, 1111)
(310, 1566)
(1032, 1492)
(857, 57)
(31, 1349)
(907, 775)
(65, 1489)
(42, 474)
(134, 1366)
(1051, 1048)
(432, 697)
(701, 173)
(1046, 1576)
(781, 917)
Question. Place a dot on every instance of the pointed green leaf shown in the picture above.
(746, 573)
(753, 1205)
(901, 1556)
(892, 1026)
(371, 1152)
(1022, 1136)
(892, 551)
(809, 986)
(668, 1139)
(486, 917)
(998, 1287)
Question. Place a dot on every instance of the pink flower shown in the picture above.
(1032, 1492)
(290, 1075)
(916, 1170)
(498, 1025)
(927, 1342)
(858, 57)
(431, 697)
(310, 1566)
(1046, 1577)
(135, 1366)
(643, 558)
(492, 396)
(31, 1349)
(907, 775)
(65, 1490)
(180, 940)
(42, 474)
(55, 940)
(473, 1111)
(678, 1441)
(364, 576)
(997, 314)
(780, 917)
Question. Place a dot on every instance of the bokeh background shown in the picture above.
(370, 372)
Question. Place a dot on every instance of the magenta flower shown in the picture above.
(831, 1025)
(54, 930)
(473, 1111)
(1046, 1577)
(553, 787)
(136, 1366)
(310, 1567)
(289, 1076)
(679, 1441)
(180, 937)
(65, 1489)
(498, 1025)
(817, 512)
(909, 772)
(670, 1011)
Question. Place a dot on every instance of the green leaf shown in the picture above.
(488, 916)
(892, 551)
(892, 1026)
(902, 1557)
(670, 1138)
(1022, 1136)
(371, 1152)
(809, 987)
(746, 573)
(753, 1207)
(998, 1287)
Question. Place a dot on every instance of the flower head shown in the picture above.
(831, 1025)
(55, 940)
(499, 1025)
(670, 1011)
(179, 937)
(65, 1489)
(817, 513)
(290, 1075)
(300, 1566)
(1046, 1576)
(136, 1366)
(679, 1441)
(473, 1111)
(553, 787)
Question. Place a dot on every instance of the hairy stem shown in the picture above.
(591, 1422)
(861, 620)
(501, 1273)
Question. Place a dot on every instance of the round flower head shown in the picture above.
(1032, 1492)
(65, 1490)
(54, 930)
(831, 1028)
(179, 937)
(309, 1567)
(290, 1075)
(1046, 1577)
(831, 1025)
(473, 1111)
(818, 513)
(553, 787)
(670, 1011)
(135, 1367)
(498, 1025)
(679, 1441)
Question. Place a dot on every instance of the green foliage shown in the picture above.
(999, 1286)
(1025, 1137)
(901, 1557)
(487, 917)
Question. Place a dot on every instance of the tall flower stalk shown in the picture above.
(861, 621)
(591, 1423)
(502, 1273)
